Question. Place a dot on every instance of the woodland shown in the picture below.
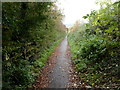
(32, 30)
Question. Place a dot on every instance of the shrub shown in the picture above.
(19, 75)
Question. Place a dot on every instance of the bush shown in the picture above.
(19, 75)
(29, 38)
(94, 49)
(95, 57)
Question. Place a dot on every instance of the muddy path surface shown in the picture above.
(59, 72)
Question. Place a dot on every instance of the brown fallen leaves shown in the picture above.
(43, 80)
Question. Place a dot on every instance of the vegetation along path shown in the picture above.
(59, 72)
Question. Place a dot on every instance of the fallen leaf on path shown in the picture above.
(75, 85)
(62, 69)
(88, 86)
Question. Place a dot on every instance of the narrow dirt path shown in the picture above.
(58, 72)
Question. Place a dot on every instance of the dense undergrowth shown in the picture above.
(95, 47)
(30, 31)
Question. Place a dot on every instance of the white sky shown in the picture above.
(76, 9)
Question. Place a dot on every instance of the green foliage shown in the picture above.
(31, 31)
(95, 48)
(81, 66)
(17, 74)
